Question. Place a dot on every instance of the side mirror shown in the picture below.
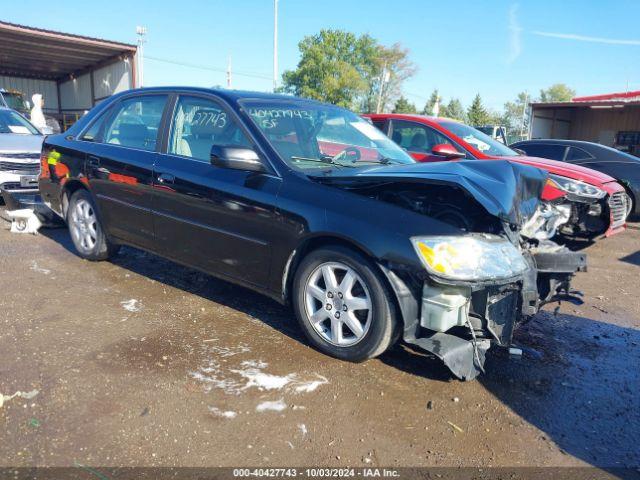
(447, 151)
(236, 158)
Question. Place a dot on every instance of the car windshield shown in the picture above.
(316, 136)
(479, 140)
(13, 122)
(15, 101)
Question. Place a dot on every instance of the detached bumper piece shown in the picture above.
(459, 325)
(16, 200)
(556, 267)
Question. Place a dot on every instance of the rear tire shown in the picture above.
(86, 231)
(343, 304)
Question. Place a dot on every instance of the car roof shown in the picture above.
(557, 141)
(412, 116)
(229, 95)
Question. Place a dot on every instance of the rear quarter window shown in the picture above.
(576, 153)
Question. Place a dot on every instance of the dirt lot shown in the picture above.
(140, 362)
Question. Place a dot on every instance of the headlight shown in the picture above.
(576, 187)
(486, 257)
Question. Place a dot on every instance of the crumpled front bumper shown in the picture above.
(491, 313)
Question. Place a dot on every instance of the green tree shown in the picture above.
(453, 110)
(515, 116)
(477, 114)
(428, 107)
(351, 71)
(392, 68)
(334, 67)
(558, 92)
(404, 106)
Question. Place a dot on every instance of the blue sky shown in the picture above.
(492, 47)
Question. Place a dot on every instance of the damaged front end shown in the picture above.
(477, 286)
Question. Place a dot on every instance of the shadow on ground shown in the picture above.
(633, 259)
(582, 390)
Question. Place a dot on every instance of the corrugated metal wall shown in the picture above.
(601, 125)
(112, 79)
(75, 94)
(584, 123)
(29, 86)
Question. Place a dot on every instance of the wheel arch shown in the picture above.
(70, 187)
(315, 242)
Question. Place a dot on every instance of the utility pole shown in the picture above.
(275, 45)
(141, 32)
(524, 111)
(384, 78)
(229, 72)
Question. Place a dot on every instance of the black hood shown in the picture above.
(508, 190)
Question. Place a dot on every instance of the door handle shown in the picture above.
(166, 178)
(93, 161)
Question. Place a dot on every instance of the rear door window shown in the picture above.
(543, 150)
(136, 122)
(92, 134)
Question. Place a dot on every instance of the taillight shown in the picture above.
(44, 166)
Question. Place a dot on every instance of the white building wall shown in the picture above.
(112, 79)
(29, 86)
(75, 94)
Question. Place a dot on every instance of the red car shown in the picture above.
(590, 202)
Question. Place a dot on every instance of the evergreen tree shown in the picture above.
(404, 106)
(477, 114)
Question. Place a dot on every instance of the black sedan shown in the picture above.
(313, 206)
(623, 167)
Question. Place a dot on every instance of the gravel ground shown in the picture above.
(140, 362)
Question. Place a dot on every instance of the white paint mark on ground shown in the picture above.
(250, 374)
(310, 386)
(303, 429)
(263, 381)
(131, 305)
(36, 268)
(271, 406)
(25, 395)
(223, 413)
(224, 352)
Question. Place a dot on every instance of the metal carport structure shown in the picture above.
(73, 72)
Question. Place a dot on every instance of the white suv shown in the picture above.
(20, 146)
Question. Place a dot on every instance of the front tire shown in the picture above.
(343, 304)
(86, 231)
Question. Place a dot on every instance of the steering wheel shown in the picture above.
(350, 153)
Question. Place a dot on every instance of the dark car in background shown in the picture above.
(312, 205)
(625, 168)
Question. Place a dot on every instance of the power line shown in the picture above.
(207, 67)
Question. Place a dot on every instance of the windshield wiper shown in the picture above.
(326, 160)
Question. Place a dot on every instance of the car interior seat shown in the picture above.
(419, 142)
(134, 135)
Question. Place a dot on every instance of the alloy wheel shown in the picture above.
(338, 304)
(84, 226)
